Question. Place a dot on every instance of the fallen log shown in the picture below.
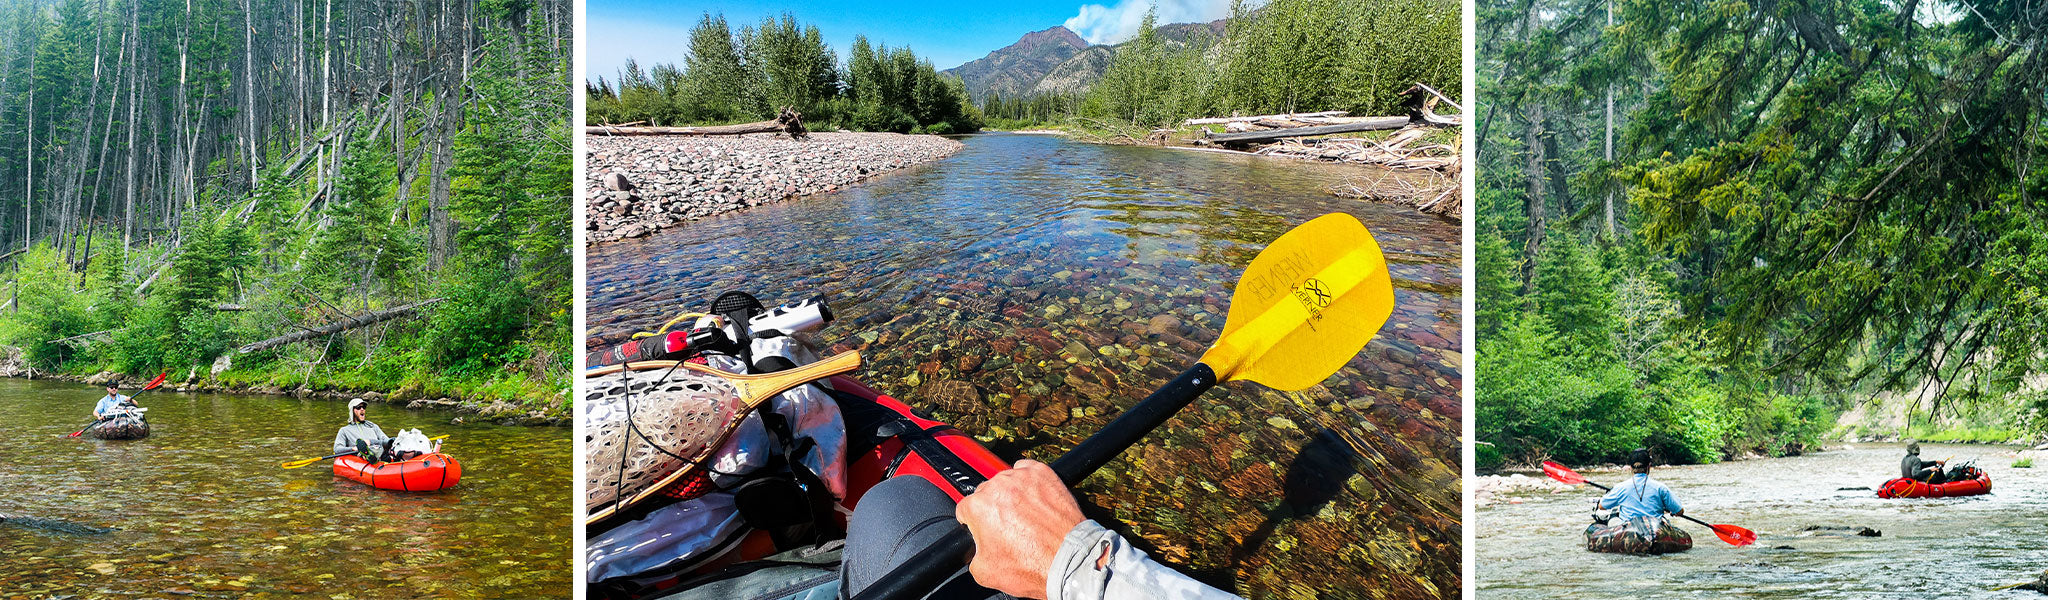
(1285, 116)
(789, 122)
(347, 323)
(109, 333)
(1253, 137)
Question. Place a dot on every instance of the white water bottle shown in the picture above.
(796, 317)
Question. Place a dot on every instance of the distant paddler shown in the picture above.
(1925, 471)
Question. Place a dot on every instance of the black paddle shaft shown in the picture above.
(943, 560)
(1686, 517)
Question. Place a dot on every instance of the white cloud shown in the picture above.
(1111, 25)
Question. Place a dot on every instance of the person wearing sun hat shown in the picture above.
(361, 435)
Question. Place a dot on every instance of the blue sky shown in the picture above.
(947, 33)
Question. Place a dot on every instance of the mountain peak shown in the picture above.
(1057, 35)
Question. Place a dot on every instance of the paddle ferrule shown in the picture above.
(1134, 424)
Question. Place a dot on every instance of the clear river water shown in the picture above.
(1930, 547)
(1028, 288)
(201, 509)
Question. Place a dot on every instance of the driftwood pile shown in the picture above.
(1431, 192)
(1278, 135)
(1400, 151)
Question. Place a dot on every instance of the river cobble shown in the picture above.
(639, 185)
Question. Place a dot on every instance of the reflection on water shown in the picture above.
(200, 508)
(1028, 288)
(1936, 547)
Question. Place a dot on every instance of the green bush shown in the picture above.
(1486, 458)
(51, 308)
(1541, 401)
(477, 328)
(1695, 427)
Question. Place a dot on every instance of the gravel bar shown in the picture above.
(640, 185)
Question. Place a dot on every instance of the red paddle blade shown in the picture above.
(1560, 473)
(1735, 536)
(156, 382)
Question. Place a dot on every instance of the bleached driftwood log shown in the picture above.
(1286, 116)
(789, 121)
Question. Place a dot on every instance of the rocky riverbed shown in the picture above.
(639, 185)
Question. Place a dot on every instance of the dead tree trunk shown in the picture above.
(788, 122)
(1254, 137)
(347, 323)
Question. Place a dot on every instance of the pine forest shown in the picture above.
(753, 73)
(1720, 230)
(302, 194)
(1284, 56)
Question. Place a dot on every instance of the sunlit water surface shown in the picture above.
(1931, 547)
(200, 508)
(1028, 288)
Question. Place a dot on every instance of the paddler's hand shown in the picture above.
(1018, 518)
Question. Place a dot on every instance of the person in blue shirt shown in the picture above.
(1643, 504)
(1641, 496)
(112, 403)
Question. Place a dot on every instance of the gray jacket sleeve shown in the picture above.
(1129, 574)
(345, 440)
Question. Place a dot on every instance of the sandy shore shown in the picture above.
(640, 185)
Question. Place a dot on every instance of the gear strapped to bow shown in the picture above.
(647, 426)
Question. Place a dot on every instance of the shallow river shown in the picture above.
(200, 508)
(1028, 288)
(1930, 547)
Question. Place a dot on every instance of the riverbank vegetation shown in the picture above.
(184, 181)
(751, 74)
(1281, 57)
(1712, 230)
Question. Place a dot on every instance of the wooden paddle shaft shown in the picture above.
(753, 390)
(944, 560)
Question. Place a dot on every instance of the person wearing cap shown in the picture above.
(1912, 467)
(360, 435)
(1642, 504)
(112, 403)
(1641, 497)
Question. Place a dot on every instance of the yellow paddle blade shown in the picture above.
(293, 464)
(1305, 306)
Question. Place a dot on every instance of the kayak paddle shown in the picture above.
(695, 441)
(1304, 307)
(1735, 536)
(153, 383)
(293, 464)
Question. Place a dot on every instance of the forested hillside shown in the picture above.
(751, 74)
(1710, 228)
(180, 179)
(1281, 56)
